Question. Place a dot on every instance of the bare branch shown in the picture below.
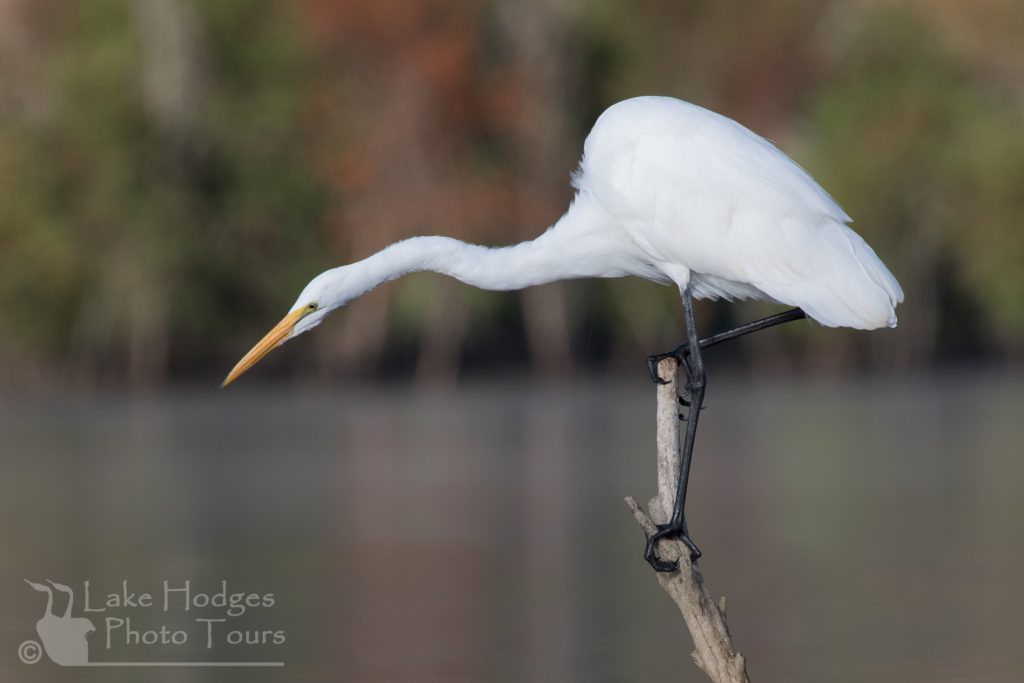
(713, 649)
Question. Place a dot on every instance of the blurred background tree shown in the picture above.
(172, 172)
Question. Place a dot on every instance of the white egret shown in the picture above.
(670, 192)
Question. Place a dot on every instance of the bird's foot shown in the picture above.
(681, 353)
(669, 531)
(685, 403)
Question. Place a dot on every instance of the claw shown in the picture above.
(656, 562)
(652, 369)
(652, 366)
(665, 531)
(680, 353)
(683, 417)
(660, 565)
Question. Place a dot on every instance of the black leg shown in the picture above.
(681, 352)
(690, 359)
(693, 366)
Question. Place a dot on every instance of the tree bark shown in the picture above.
(705, 619)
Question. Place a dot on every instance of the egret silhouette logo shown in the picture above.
(189, 618)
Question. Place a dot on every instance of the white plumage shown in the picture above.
(707, 199)
(667, 191)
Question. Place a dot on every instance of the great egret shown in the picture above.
(670, 192)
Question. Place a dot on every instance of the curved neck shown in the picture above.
(71, 602)
(501, 268)
(49, 601)
(583, 243)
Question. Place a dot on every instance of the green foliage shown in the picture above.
(120, 234)
(134, 240)
(990, 240)
(929, 162)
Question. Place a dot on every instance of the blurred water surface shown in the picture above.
(862, 532)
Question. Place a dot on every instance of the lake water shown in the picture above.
(864, 531)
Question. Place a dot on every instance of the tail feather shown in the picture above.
(851, 287)
(875, 268)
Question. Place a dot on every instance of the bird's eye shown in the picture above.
(311, 306)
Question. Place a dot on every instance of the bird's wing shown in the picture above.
(701, 191)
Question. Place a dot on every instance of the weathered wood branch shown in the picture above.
(713, 649)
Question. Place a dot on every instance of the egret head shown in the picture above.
(322, 295)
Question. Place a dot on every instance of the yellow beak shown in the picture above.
(265, 345)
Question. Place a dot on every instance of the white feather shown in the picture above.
(667, 191)
(711, 201)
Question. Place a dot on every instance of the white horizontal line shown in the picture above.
(178, 664)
